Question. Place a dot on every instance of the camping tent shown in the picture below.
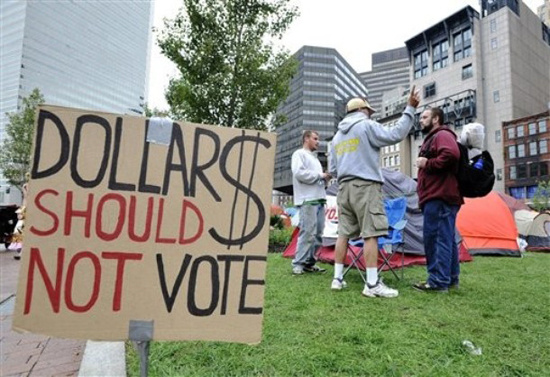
(513, 203)
(487, 226)
(534, 227)
(396, 184)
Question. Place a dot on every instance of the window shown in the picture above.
(494, 43)
(519, 130)
(397, 147)
(496, 96)
(397, 160)
(512, 151)
(543, 169)
(521, 150)
(499, 174)
(440, 55)
(421, 64)
(513, 174)
(533, 148)
(462, 44)
(543, 146)
(385, 162)
(542, 126)
(533, 169)
(532, 128)
(498, 138)
(391, 160)
(467, 72)
(493, 25)
(429, 90)
(522, 171)
(511, 133)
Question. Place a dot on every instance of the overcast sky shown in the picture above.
(355, 28)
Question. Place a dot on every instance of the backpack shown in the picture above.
(473, 182)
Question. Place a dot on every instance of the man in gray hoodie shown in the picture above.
(354, 159)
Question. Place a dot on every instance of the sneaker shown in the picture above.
(297, 271)
(425, 287)
(314, 269)
(379, 290)
(338, 284)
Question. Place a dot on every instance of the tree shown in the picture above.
(15, 155)
(154, 112)
(230, 74)
(541, 199)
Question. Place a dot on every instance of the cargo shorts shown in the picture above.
(361, 209)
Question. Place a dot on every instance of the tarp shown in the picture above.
(487, 226)
(534, 227)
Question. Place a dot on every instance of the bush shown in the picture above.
(276, 221)
(279, 239)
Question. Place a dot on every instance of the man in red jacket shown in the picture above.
(440, 199)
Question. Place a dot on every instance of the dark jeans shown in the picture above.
(439, 243)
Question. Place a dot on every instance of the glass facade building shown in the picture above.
(319, 91)
(86, 54)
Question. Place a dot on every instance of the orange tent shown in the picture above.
(487, 226)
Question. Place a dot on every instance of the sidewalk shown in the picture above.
(38, 355)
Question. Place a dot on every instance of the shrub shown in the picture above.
(279, 239)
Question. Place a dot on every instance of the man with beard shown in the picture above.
(355, 159)
(439, 198)
(308, 181)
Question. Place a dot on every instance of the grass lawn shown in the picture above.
(503, 306)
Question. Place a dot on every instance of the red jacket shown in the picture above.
(437, 180)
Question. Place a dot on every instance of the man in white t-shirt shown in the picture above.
(308, 181)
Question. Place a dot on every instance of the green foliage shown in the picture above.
(154, 112)
(279, 237)
(15, 154)
(308, 330)
(276, 222)
(230, 74)
(541, 199)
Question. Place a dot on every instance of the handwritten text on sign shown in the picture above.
(120, 229)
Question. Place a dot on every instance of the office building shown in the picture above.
(83, 54)
(390, 70)
(397, 156)
(319, 91)
(526, 154)
(487, 67)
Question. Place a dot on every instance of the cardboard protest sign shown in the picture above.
(131, 220)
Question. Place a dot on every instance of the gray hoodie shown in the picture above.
(355, 149)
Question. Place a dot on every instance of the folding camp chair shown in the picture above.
(387, 246)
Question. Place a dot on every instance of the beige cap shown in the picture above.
(358, 103)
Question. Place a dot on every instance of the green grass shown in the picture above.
(503, 306)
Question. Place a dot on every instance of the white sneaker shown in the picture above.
(297, 271)
(338, 284)
(379, 290)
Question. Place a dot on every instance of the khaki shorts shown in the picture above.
(361, 209)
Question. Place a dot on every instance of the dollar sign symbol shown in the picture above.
(240, 187)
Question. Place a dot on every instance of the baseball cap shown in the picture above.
(358, 103)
